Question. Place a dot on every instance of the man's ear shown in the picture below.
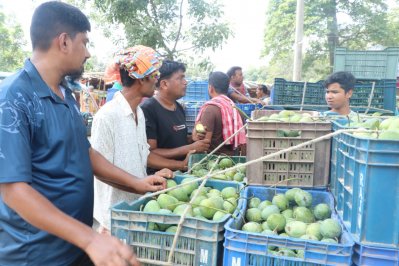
(349, 93)
(63, 41)
(211, 89)
(163, 83)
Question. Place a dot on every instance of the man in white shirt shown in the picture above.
(118, 130)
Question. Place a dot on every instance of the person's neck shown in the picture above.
(166, 101)
(236, 85)
(48, 70)
(345, 110)
(133, 97)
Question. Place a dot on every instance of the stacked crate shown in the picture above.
(304, 167)
(365, 185)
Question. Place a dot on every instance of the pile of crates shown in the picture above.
(375, 72)
(365, 185)
(311, 96)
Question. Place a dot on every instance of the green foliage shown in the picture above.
(356, 24)
(169, 26)
(257, 74)
(198, 68)
(12, 43)
(93, 64)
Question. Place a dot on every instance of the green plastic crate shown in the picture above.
(290, 93)
(195, 158)
(200, 241)
(368, 64)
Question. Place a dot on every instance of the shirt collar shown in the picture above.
(126, 109)
(41, 88)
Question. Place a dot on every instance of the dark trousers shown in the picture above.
(83, 260)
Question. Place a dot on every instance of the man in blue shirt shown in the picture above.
(46, 162)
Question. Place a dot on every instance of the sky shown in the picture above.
(244, 49)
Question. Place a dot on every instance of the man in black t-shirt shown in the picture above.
(165, 118)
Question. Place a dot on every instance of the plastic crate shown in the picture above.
(196, 157)
(368, 255)
(368, 64)
(197, 91)
(200, 241)
(383, 94)
(309, 164)
(340, 123)
(247, 108)
(291, 93)
(192, 109)
(243, 248)
(366, 188)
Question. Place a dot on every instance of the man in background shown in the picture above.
(220, 119)
(237, 91)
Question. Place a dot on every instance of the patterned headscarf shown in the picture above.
(139, 61)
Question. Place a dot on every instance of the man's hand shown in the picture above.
(108, 250)
(166, 173)
(152, 183)
(198, 135)
(200, 145)
(184, 166)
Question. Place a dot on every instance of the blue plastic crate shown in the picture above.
(243, 248)
(247, 108)
(192, 109)
(370, 64)
(197, 91)
(340, 123)
(369, 255)
(200, 241)
(366, 188)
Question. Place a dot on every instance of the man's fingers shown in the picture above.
(128, 256)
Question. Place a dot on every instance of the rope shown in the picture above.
(179, 226)
(204, 179)
(237, 91)
(305, 85)
(371, 96)
(217, 148)
(263, 158)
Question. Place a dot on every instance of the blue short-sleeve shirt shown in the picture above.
(43, 143)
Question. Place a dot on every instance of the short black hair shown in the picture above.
(126, 80)
(264, 88)
(168, 68)
(50, 19)
(232, 71)
(345, 79)
(220, 81)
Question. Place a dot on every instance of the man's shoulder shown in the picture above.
(15, 86)
(212, 110)
(109, 110)
(148, 103)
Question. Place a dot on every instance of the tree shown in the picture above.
(169, 26)
(12, 43)
(355, 24)
(198, 68)
(257, 74)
